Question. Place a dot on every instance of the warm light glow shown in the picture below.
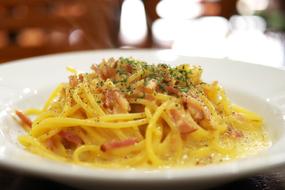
(182, 9)
(133, 27)
(248, 23)
(75, 37)
(203, 37)
(248, 7)
(247, 42)
(165, 30)
(242, 39)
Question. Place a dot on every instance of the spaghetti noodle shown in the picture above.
(127, 113)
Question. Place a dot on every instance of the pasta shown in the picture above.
(127, 113)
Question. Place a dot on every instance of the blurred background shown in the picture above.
(246, 30)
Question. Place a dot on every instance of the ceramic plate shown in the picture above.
(27, 83)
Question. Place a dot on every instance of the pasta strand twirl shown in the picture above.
(127, 113)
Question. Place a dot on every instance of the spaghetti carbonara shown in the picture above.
(127, 113)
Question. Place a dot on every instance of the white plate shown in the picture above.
(26, 83)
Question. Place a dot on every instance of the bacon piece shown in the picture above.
(175, 114)
(196, 109)
(108, 72)
(24, 118)
(81, 77)
(118, 144)
(152, 84)
(185, 127)
(73, 81)
(149, 97)
(70, 137)
(129, 68)
(115, 101)
(94, 67)
(137, 108)
(149, 88)
(172, 90)
(181, 121)
(105, 70)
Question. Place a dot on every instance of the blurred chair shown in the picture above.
(36, 27)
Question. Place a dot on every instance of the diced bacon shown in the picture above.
(207, 113)
(123, 103)
(109, 101)
(172, 90)
(24, 118)
(70, 137)
(118, 144)
(137, 108)
(185, 127)
(149, 97)
(167, 78)
(152, 84)
(115, 101)
(175, 114)
(129, 68)
(81, 77)
(150, 87)
(108, 72)
(196, 109)
(147, 90)
(181, 121)
(104, 70)
(94, 67)
(73, 81)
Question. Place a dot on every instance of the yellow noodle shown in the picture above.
(117, 117)
(33, 111)
(135, 76)
(72, 70)
(89, 111)
(92, 101)
(149, 147)
(52, 123)
(52, 96)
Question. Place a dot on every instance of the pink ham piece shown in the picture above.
(115, 101)
(198, 111)
(73, 81)
(172, 90)
(70, 137)
(129, 68)
(118, 144)
(105, 71)
(24, 118)
(181, 121)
